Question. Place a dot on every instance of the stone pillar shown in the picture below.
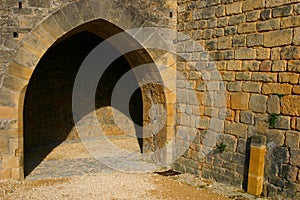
(256, 165)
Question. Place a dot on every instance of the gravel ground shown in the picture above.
(110, 186)
(70, 180)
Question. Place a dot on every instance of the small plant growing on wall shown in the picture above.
(273, 118)
(221, 147)
(280, 95)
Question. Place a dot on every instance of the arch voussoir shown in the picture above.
(52, 28)
(100, 8)
(85, 10)
(72, 15)
(62, 21)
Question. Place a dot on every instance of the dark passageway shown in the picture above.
(48, 118)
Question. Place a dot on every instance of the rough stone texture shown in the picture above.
(252, 45)
(256, 45)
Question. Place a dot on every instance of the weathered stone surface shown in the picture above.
(269, 25)
(290, 53)
(39, 3)
(234, 86)
(290, 105)
(282, 11)
(254, 40)
(265, 66)
(234, 8)
(224, 42)
(276, 88)
(253, 4)
(273, 104)
(234, 65)
(237, 129)
(258, 103)
(276, 136)
(245, 54)
(278, 38)
(279, 66)
(296, 89)
(243, 76)
(247, 117)
(239, 101)
(283, 122)
(239, 41)
(293, 139)
(289, 22)
(247, 28)
(296, 40)
(295, 157)
(289, 78)
(251, 87)
(294, 66)
(264, 77)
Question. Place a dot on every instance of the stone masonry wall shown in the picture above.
(255, 47)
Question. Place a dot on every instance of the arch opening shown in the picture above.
(47, 113)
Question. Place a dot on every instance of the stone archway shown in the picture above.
(34, 46)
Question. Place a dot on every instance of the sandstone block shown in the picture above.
(276, 136)
(20, 71)
(278, 38)
(264, 77)
(293, 139)
(289, 78)
(234, 65)
(234, 86)
(258, 103)
(290, 53)
(265, 14)
(291, 105)
(224, 42)
(283, 122)
(282, 11)
(243, 76)
(295, 157)
(237, 129)
(247, 117)
(254, 40)
(296, 89)
(296, 40)
(239, 101)
(269, 25)
(276, 88)
(294, 66)
(253, 4)
(247, 28)
(252, 87)
(265, 66)
(234, 8)
(236, 19)
(220, 11)
(273, 104)
(252, 16)
(245, 54)
(250, 65)
(239, 41)
(263, 54)
(290, 22)
(14, 83)
(279, 66)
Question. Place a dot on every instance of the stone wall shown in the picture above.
(254, 45)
